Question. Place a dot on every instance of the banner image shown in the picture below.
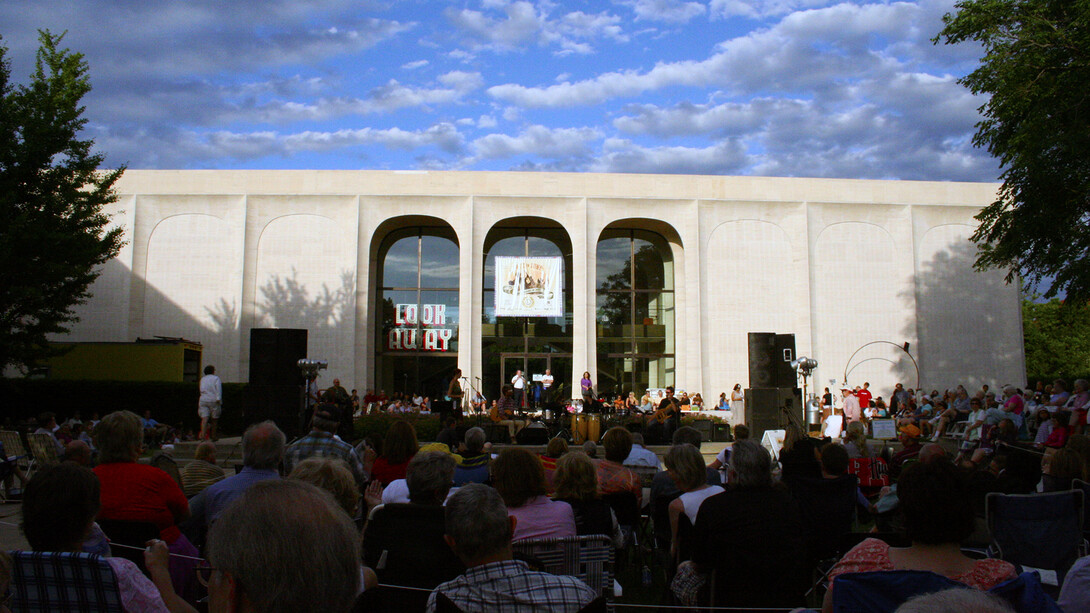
(529, 287)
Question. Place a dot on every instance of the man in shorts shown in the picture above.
(210, 406)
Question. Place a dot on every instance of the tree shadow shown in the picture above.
(287, 302)
(968, 322)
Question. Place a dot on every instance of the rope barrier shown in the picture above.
(123, 546)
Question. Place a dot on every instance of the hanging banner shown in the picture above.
(529, 287)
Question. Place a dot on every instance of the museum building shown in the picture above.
(641, 280)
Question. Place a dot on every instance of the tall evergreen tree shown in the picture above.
(54, 234)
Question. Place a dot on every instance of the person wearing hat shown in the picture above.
(323, 442)
(909, 435)
(852, 410)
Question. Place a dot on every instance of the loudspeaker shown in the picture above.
(784, 375)
(273, 356)
(764, 409)
(280, 403)
(532, 436)
(762, 349)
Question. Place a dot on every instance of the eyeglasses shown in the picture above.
(204, 574)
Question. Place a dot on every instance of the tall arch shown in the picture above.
(415, 272)
(635, 314)
(530, 344)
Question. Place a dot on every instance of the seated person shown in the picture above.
(663, 486)
(479, 530)
(556, 448)
(404, 542)
(936, 536)
(473, 467)
(686, 467)
(519, 477)
(202, 471)
(613, 476)
(59, 507)
(577, 485)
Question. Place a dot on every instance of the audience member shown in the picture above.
(799, 455)
(59, 508)
(758, 522)
(1059, 469)
(613, 476)
(1075, 591)
(79, 452)
(909, 435)
(663, 486)
(283, 546)
(741, 433)
(404, 541)
(936, 537)
(333, 476)
(398, 448)
(131, 491)
(202, 471)
(262, 450)
(480, 531)
(322, 442)
(855, 441)
(577, 485)
(686, 467)
(47, 424)
(473, 466)
(520, 479)
(591, 449)
(641, 456)
(556, 448)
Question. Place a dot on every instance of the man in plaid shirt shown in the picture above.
(323, 442)
(479, 530)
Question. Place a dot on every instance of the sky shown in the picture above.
(788, 88)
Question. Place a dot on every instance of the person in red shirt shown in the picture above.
(142, 493)
(864, 397)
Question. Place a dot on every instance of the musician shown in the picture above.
(505, 412)
(588, 388)
(663, 422)
(455, 394)
(519, 383)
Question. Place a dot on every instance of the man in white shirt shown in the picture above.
(519, 383)
(641, 456)
(210, 406)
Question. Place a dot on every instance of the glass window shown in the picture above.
(418, 323)
(635, 312)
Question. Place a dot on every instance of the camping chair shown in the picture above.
(44, 449)
(873, 474)
(588, 557)
(1041, 531)
(404, 545)
(16, 452)
(44, 582)
(444, 604)
(1079, 484)
(885, 591)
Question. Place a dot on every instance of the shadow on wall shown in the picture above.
(968, 321)
(284, 301)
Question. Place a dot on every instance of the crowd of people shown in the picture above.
(319, 523)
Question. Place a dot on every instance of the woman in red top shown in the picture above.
(938, 516)
(399, 447)
(141, 493)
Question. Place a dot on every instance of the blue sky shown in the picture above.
(805, 88)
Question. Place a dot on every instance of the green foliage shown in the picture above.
(170, 402)
(375, 425)
(1057, 341)
(54, 235)
(1036, 122)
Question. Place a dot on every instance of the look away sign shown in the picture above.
(529, 287)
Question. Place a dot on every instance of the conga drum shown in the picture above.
(593, 428)
(579, 428)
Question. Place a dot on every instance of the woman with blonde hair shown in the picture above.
(855, 441)
(576, 482)
(685, 466)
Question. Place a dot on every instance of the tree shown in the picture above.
(1057, 340)
(1036, 70)
(54, 235)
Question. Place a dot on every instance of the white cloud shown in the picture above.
(415, 65)
(512, 26)
(670, 11)
(486, 121)
(726, 157)
(763, 8)
(538, 141)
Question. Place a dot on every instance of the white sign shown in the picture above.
(529, 287)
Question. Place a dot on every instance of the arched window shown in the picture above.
(635, 312)
(418, 297)
(530, 344)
